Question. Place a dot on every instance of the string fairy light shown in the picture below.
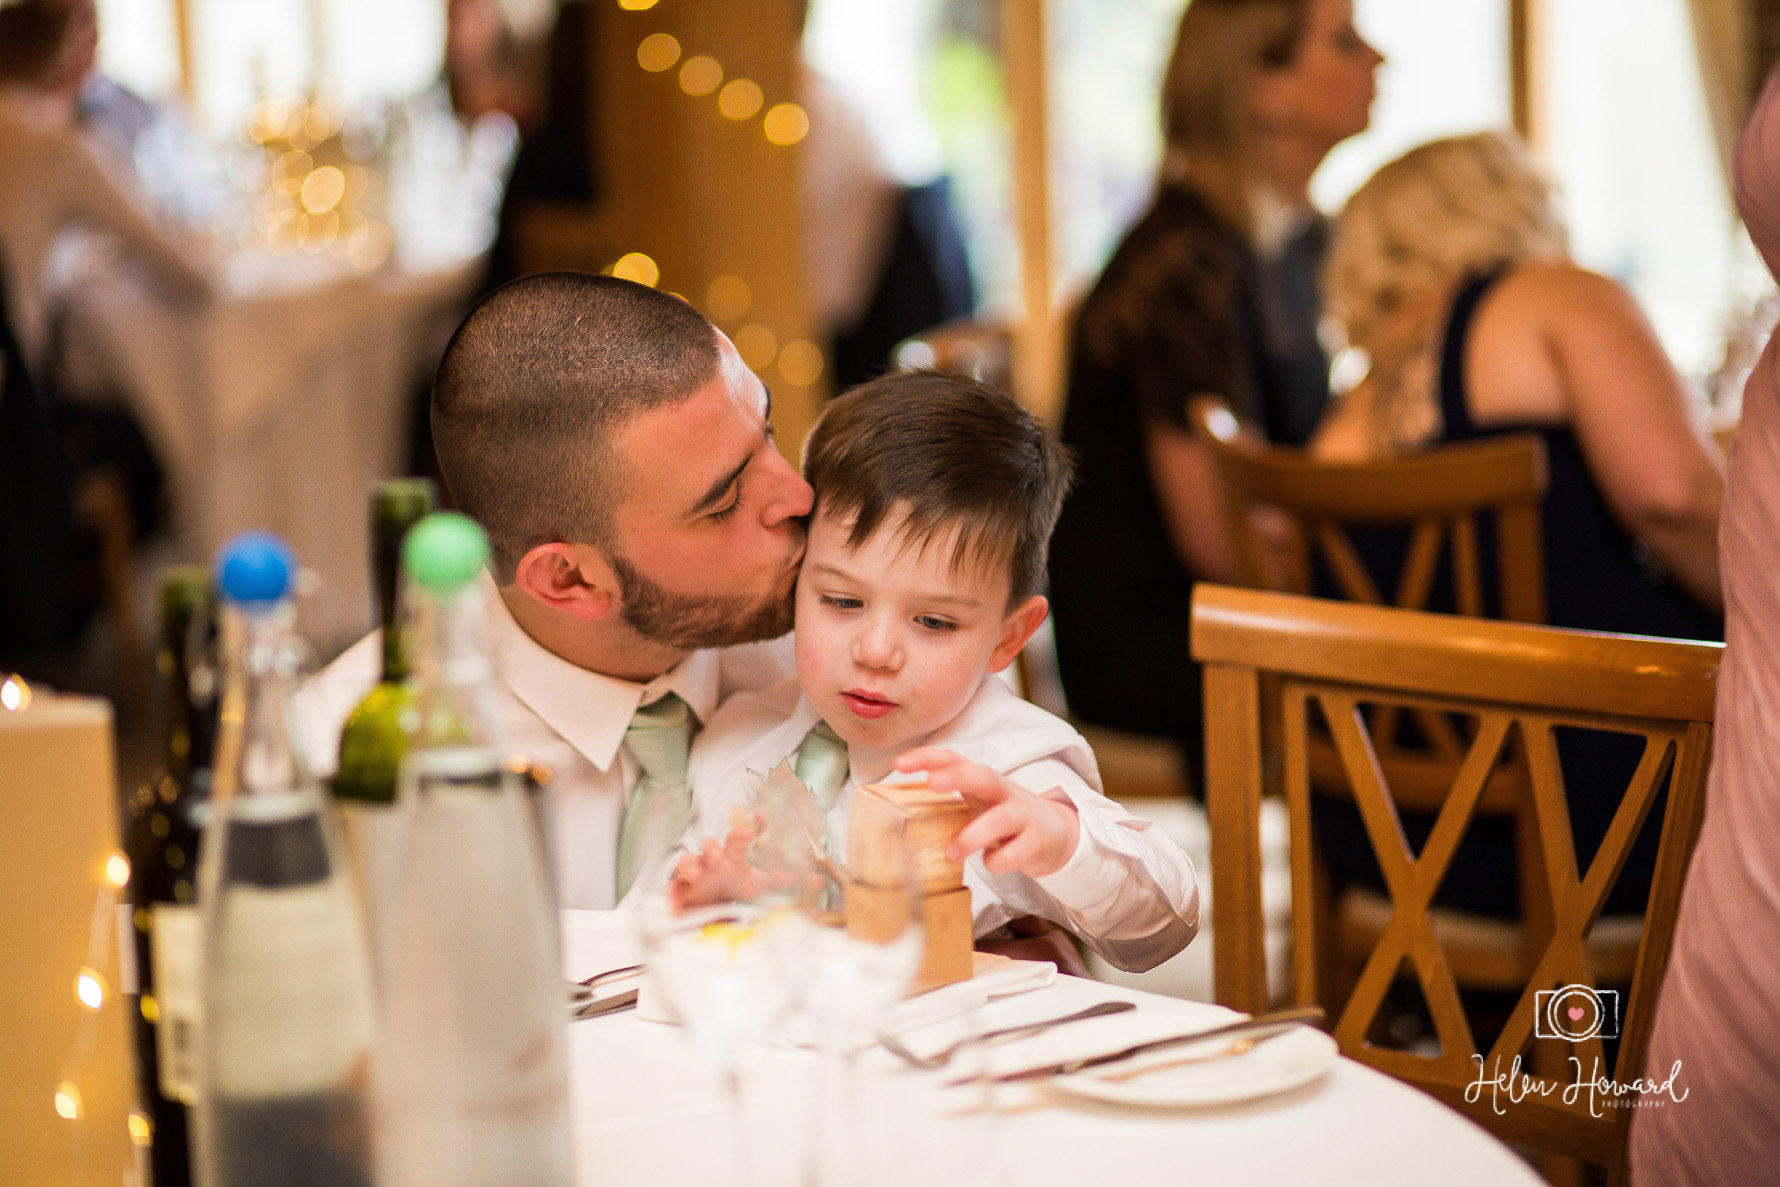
(728, 298)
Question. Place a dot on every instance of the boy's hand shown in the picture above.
(717, 873)
(1019, 832)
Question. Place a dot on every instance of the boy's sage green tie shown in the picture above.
(821, 764)
(660, 805)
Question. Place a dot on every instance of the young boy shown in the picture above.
(935, 500)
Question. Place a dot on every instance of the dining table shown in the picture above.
(648, 1108)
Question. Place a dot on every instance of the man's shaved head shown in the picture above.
(533, 389)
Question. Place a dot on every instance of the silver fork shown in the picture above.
(940, 1058)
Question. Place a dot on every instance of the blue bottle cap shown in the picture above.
(255, 568)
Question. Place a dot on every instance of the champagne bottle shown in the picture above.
(372, 828)
(286, 1040)
(376, 733)
(163, 820)
(475, 1074)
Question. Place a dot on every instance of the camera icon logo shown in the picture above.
(1576, 1013)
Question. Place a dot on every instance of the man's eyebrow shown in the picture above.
(715, 492)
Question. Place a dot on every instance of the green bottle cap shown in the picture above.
(183, 590)
(444, 552)
(400, 502)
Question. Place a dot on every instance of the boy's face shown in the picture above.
(891, 641)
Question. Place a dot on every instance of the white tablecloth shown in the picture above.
(277, 404)
(648, 1110)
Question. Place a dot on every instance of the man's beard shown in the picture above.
(692, 621)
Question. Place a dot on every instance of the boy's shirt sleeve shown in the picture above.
(1128, 890)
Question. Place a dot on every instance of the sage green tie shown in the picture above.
(821, 764)
(660, 806)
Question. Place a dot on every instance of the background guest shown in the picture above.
(51, 177)
(1718, 1017)
(1213, 290)
(1449, 269)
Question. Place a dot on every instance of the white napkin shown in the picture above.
(1101, 1036)
(995, 977)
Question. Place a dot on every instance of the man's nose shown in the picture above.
(788, 495)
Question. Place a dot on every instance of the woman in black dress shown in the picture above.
(1215, 289)
(1449, 270)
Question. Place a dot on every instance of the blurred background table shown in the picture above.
(279, 403)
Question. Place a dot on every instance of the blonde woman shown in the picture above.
(1450, 270)
(1214, 289)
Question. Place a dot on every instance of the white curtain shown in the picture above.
(1722, 39)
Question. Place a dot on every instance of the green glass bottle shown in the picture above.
(376, 733)
(373, 827)
(164, 822)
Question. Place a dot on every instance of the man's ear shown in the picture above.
(1021, 621)
(572, 578)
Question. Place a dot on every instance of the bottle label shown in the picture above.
(291, 1010)
(175, 942)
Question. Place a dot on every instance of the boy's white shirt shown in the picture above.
(1127, 890)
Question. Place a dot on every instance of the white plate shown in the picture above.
(1290, 1061)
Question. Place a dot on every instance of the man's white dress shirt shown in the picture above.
(1127, 889)
(558, 714)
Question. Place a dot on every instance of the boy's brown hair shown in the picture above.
(944, 453)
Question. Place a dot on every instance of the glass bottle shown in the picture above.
(163, 819)
(475, 1077)
(376, 732)
(285, 1056)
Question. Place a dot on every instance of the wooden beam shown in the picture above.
(1037, 345)
(182, 35)
(1526, 64)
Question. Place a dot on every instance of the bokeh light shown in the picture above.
(636, 5)
(89, 987)
(636, 266)
(117, 869)
(757, 345)
(68, 1102)
(15, 694)
(141, 1131)
(740, 99)
(700, 75)
(800, 363)
(786, 123)
(728, 298)
(658, 52)
(323, 189)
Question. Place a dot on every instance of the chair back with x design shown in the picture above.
(1322, 659)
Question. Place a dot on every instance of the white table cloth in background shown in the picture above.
(277, 404)
(647, 1109)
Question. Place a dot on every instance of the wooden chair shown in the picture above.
(1297, 657)
(1438, 494)
(1280, 500)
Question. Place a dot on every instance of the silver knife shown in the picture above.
(611, 1005)
(1258, 1028)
